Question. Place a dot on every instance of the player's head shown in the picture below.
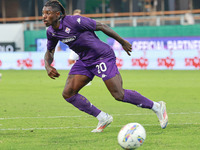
(52, 12)
(77, 12)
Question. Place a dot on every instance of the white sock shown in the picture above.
(156, 106)
(101, 116)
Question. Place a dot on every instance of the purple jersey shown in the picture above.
(78, 33)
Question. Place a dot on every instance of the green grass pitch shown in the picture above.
(34, 116)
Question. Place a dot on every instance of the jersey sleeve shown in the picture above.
(51, 41)
(84, 23)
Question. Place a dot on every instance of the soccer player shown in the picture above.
(95, 58)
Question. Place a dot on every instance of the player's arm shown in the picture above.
(48, 59)
(108, 31)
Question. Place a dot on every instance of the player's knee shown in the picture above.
(118, 96)
(65, 95)
(68, 93)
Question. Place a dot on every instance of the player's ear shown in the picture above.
(58, 14)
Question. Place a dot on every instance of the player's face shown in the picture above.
(50, 17)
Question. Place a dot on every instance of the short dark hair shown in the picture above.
(55, 4)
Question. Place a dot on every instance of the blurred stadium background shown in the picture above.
(165, 34)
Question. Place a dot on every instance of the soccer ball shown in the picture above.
(131, 136)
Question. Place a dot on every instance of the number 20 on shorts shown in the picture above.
(101, 67)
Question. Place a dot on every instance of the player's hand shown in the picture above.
(52, 72)
(127, 47)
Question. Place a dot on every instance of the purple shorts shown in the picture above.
(104, 68)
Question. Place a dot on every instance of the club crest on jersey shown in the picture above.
(67, 30)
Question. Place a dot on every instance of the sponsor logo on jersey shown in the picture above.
(68, 39)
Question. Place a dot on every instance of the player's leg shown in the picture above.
(70, 93)
(114, 85)
(108, 71)
(73, 85)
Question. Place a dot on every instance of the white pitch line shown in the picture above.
(84, 127)
(40, 117)
(181, 113)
